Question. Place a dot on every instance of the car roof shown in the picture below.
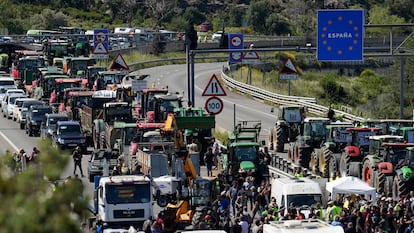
(68, 123)
(56, 115)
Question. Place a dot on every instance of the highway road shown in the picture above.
(12, 137)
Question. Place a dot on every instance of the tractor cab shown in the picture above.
(314, 131)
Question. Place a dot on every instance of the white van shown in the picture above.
(303, 192)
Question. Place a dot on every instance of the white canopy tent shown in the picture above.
(351, 185)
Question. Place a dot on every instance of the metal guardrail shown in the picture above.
(278, 99)
(258, 93)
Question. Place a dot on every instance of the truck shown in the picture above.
(242, 157)
(123, 201)
(304, 193)
(89, 113)
(308, 225)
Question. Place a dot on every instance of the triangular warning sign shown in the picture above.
(250, 56)
(289, 68)
(118, 63)
(214, 88)
(100, 49)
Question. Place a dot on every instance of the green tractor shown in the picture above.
(288, 126)
(386, 153)
(314, 133)
(326, 159)
(242, 157)
(403, 177)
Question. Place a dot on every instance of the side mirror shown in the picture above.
(272, 110)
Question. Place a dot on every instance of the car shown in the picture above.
(48, 127)
(17, 108)
(97, 162)
(34, 119)
(204, 27)
(8, 103)
(27, 103)
(69, 135)
(217, 35)
(4, 91)
(6, 83)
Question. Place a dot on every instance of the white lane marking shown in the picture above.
(8, 141)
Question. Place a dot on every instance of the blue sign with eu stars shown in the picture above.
(340, 35)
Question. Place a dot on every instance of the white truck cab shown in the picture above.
(303, 192)
(123, 201)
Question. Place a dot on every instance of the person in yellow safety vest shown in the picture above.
(298, 173)
(336, 210)
(337, 176)
(328, 210)
(347, 202)
(319, 211)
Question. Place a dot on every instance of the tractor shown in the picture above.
(386, 153)
(326, 159)
(314, 133)
(242, 157)
(354, 152)
(288, 126)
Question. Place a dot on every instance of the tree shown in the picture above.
(49, 19)
(257, 14)
(194, 16)
(381, 15)
(277, 25)
(236, 16)
(159, 10)
(35, 201)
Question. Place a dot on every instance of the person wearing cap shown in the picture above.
(77, 160)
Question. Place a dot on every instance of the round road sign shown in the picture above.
(236, 41)
(214, 105)
(236, 56)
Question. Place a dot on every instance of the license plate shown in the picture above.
(72, 144)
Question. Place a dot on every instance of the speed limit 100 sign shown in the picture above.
(214, 105)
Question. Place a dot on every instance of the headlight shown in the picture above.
(50, 131)
(61, 140)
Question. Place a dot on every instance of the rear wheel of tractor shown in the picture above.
(197, 218)
(333, 164)
(344, 163)
(326, 155)
(355, 169)
(381, 183)
(399, 188)
(280, 139)
(388, 185)
(303, 158)
(102, 140)
(291, 152)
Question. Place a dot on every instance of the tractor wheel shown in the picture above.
(399, 188)
(387, 184)
(197, 218)
(381, 183)
(368, 174)
(102, 139)
(270, 140)
(303, 157)
(326, 155)
(355, 169)
(344, 163)
(333, 164)
(280, 139)
(314, 161)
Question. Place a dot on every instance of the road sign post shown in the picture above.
(214, 105)
(289, 72)
(340, 35)
(100, 44)
(236, 41)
